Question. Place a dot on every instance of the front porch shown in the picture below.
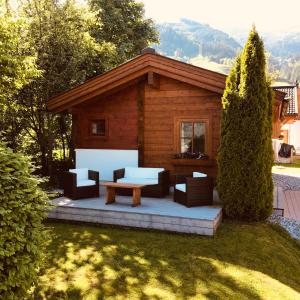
(153, 213)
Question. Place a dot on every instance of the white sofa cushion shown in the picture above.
(181, 187)
(131, 172)
(198, 174)
(146, 181)
(81, 173)
(85, 182)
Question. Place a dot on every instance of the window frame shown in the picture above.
(96, 119)
(178, 137)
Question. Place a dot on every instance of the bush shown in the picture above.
(245, 155)
(22, 236)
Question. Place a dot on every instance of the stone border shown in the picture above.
(140, 220)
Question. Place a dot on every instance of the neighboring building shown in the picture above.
(144, 112)
(290, 127)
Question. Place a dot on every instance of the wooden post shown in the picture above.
(140, 103)
(110, 195)
(136, 198)
(153, 80)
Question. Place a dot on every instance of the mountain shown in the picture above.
(287, 46)
(187, 39)
(207, 47)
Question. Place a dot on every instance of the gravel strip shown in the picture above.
(292, 226)
(287, 182)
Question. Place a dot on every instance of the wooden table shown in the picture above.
(111, 191)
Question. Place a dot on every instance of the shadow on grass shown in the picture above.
(98, 263)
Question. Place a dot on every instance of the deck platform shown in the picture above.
(161, 214)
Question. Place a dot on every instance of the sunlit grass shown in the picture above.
(241, 262)
(288, 169)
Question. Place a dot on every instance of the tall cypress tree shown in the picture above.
(245, 155)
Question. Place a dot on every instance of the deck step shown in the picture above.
(169, 217)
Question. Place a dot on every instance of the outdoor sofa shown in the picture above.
(156, 181)
(81, 183)
(194, 189)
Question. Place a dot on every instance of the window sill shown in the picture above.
(193, 162)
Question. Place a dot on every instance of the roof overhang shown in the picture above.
(131, 71)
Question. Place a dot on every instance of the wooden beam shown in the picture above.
(140, 104)
(153, 80)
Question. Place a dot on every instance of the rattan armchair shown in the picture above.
(76, 186)
(193, 191)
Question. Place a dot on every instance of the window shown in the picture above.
(98, 128)
(192, 137)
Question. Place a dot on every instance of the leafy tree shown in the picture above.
(17, 68)
(22, 236)
(122, 23)
(245, 154)
(67, 55)
(16, 65)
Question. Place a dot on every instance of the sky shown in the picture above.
(230, 15)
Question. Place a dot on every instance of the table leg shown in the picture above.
(136, 199)
(110, 195)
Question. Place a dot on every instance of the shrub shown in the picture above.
(245, 155)
(22, 237)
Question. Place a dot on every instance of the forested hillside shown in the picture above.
(202, 45)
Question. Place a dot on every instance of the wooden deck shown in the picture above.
(292, 205)
(287, 200)
(161, 214)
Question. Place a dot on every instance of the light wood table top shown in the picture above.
(121, 185)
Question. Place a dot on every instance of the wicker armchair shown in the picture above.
(193, 191)
(81, 183)
(159, 190)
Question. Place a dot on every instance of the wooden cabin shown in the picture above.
(146, 111)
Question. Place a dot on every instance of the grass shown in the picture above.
(242, 261)
(288, 169)
(295, 164)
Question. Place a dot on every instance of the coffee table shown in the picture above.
(111, 191)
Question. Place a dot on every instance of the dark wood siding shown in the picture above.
(120, 111)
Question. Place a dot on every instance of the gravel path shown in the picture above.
(287, 182)
(291, 226)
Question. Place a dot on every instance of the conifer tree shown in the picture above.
(245, 155)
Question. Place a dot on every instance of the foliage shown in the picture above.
(58, 37)
(123, 24)
(22, 236)
(16, 66)
(245, 156)
(112, 263)
(67, 55)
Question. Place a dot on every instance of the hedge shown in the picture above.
(22, 236)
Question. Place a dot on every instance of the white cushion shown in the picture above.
(198, 174)
(152, 173)
(181, 187)
(146, 181)
(81, 173)
(85, 182)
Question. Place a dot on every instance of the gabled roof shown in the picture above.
(290, 95)
(134, 69)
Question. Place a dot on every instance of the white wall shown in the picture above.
(294, 135)
(106, 160)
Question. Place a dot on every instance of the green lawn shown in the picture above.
(241, 262)
(288, 169)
